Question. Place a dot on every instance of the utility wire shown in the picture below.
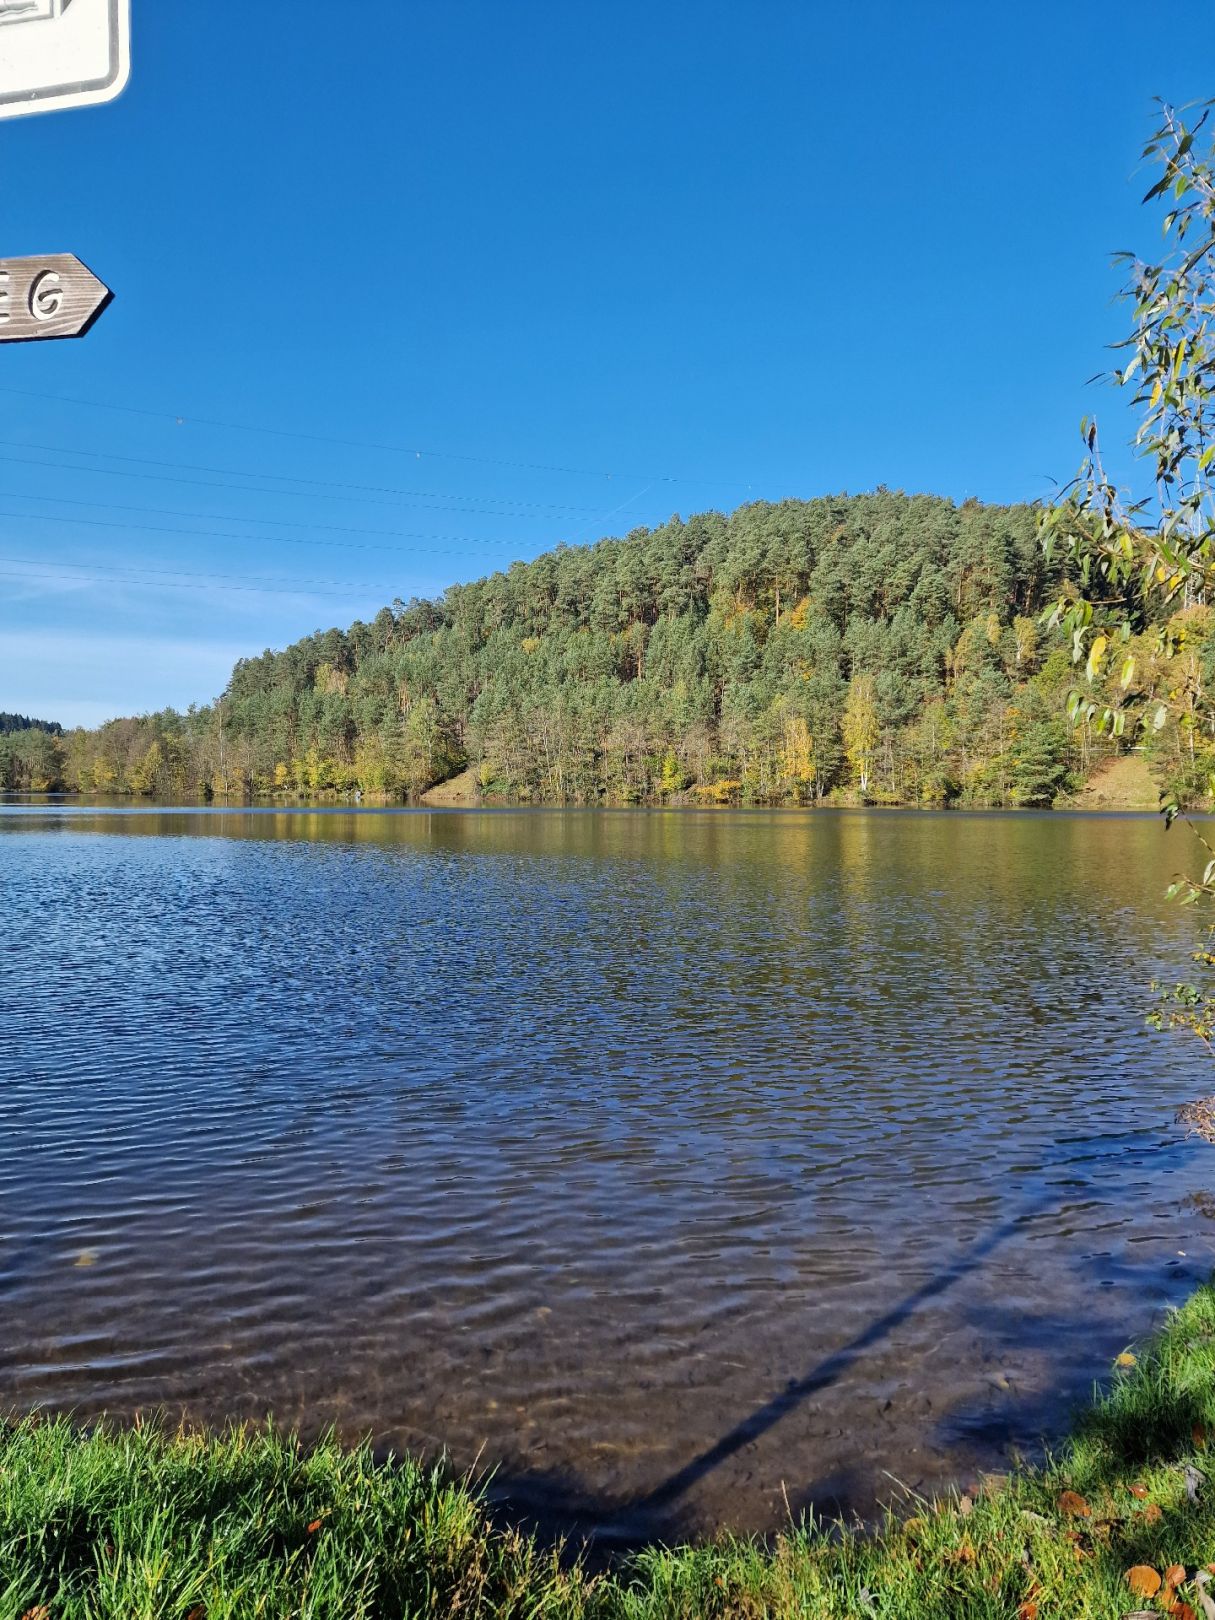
(221, 517)
(364, 444)
(318, 488)
(184, 573)
(195, 584)
(257, 539)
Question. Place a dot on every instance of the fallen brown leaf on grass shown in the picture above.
(1073, 1506)
(1143, 1580)
(1139, 1491)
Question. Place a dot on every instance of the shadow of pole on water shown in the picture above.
(604, 1532)
(832, 1367)
(824, 1373)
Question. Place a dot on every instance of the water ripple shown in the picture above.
(676, 1163)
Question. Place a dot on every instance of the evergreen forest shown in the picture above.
(880, 648)
(22, 722)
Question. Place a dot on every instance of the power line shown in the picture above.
(182, 420)
(195, 583)
(220, 517)
(359, 585)
(318, 488)
(258, 539)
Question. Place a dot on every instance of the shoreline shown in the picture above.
(369, 803)
(112, 1522)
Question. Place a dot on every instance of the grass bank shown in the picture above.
(148, 1524)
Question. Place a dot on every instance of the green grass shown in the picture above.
(152, 1524)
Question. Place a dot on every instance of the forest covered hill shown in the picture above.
(22, 722)
(871, 648)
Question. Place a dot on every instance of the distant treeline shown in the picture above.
(872, 648)
(10, 723)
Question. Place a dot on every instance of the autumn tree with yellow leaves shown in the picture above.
(1137, 609)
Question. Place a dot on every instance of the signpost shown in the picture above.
(62, 53)
(53, 296)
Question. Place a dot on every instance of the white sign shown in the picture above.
(62, 53)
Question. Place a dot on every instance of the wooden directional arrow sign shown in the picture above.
(50, 297)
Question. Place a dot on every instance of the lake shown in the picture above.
(686, 1168)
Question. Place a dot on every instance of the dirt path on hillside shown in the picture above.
(1123, 784)
(457, 792)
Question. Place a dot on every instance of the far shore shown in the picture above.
(331, 800)
(1122, 787)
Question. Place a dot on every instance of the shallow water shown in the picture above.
(686, 1167)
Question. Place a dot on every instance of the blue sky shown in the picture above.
(406, 291)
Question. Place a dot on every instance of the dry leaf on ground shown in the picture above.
(1143, 1580)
